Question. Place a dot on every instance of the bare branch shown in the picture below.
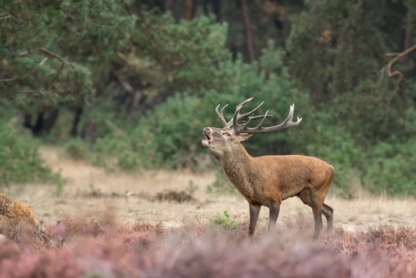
(126, 85)
(24, 75)
(44, 50)
(397, 56)
(43, 61)
(16, 77)
(124, 59)
(50, 53)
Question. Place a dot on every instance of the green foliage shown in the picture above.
(191, 188)
(152, 81)
(392, 168)
(20, 161)
(112, 152)
(168, 135)
(128, 161)
(43, 41)
(224, 221)
(77, 149)
(221, 185)
(325, 37)
(187, 52)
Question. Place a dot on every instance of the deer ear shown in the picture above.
(243, 136)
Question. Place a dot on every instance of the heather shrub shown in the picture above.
(174, 196)
(102, 248)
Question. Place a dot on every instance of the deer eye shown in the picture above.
(227, 133)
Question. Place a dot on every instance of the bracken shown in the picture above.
(12, 210)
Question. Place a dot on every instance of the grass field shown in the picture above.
(103, 233)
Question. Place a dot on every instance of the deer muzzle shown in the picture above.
(207, 133)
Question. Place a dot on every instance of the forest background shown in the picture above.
(129, 85)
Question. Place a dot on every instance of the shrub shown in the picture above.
(102, 248)
(224, 221)
(20, 161)
(77, 149)
(116, 150)
(221, 185)
(391, 168)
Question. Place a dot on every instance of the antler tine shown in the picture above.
(260, 125)
(288, 122)
(221, 115)
(259, 117)
(245, 116)
(255, 118)
(244, 102)
(237, 112)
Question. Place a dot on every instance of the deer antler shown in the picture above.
(221, 115)
(237, 116)
(242, 128)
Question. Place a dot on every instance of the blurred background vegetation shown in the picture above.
(129, 85)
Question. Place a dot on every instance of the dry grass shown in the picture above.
(90, 191)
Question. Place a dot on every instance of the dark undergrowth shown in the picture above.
(76, 247)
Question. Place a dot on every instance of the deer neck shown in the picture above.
(238, 165)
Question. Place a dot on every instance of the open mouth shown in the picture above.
(207, 138)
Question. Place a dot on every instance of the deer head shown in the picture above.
(221, 141)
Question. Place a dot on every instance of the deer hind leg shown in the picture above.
(274, 209)
(316, 204)
(317, 216)
(329, 214)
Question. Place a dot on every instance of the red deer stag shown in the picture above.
(268, 180)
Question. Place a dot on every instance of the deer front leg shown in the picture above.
(274, 209)
(254, 216)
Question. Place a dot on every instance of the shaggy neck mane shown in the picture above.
(237, 165)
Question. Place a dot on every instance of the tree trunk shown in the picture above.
(135, 106)
(75, 122)
(37, 128)
(247, 31)
(195, 5)
(89, 129)
(170, 7)
(50, 121)
(216, 9)
(187, 14)
(43, 124)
